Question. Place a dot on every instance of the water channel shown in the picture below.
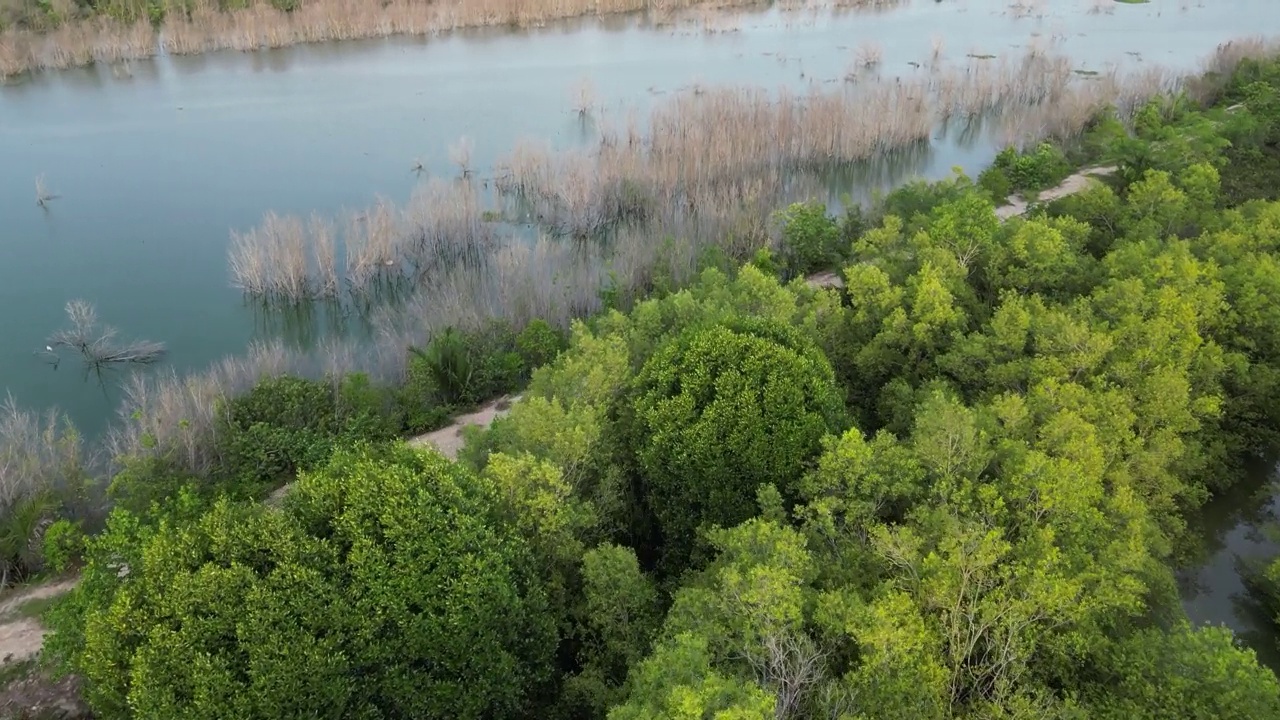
(156, 162)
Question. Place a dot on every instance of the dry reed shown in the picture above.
(204, 28)
(584, 97)
(40, 454)
(43, 195)
(460, 155)
(97, 344)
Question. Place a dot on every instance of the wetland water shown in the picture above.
(156, 162)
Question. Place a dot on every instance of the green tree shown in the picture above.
(719, 412)
(810, 237)
(383, 588)
(1197, 674)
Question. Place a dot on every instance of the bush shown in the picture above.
(539, 343)
(286, 424)
(1015, 172)
(469, 367)
(810, 238)
(63, 545)
(499, 368)
(997, 184)
(42, 474)
(448, 364)
(721, 411)
(916, 199)
(381, 589)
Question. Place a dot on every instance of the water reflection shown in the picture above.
(1226, 538)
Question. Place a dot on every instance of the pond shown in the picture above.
(155, 162)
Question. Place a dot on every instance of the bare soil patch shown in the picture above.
(449, 440)
(1076, 182)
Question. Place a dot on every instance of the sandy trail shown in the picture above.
(21, 638)
(448, 440)
(1017, 205)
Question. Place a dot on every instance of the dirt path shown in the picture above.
(1014, 205)
(1017, 205)
(449, 441)
(22, 637)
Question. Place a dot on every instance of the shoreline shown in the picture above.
(206, 29)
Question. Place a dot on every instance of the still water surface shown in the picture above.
(156, 163)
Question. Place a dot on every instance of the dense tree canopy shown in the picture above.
(955, 488)
(381, 584)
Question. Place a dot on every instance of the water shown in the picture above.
(1231, 529)
(155, 164)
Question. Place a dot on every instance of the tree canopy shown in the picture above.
(956, 487)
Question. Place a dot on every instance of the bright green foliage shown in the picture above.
(1197, 674)
(534, 499)
(1039, 402)
(720, 412)
(620, 616)
(539, 343)
(1020, 172)
(381, 590)
(810, 237)
(286, 424)
(63, 545)
(449, 364)
(678, 683)
(899, 672)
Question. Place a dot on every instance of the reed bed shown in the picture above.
(698, 193)
(205, 28)
(291, 260)
(699, 152)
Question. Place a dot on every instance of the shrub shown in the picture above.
(42, 473)
(499, 367)
(540, 343)
(721, 411)
(63, 545)
(1012, 171)
(918, 198)
(146, 480)
(280, 426)
(286, 424)
(810, 238)
(997, 184)
(448, 363)
(420, 407)
(381, 589)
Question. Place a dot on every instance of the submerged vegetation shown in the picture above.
(97, 345)
(954, 488)
(708, 166)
